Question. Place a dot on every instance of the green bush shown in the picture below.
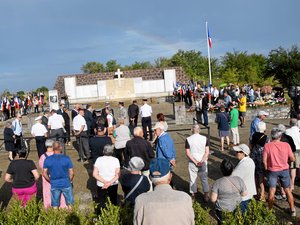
(202, 216)
(257, 213)
(35, 214)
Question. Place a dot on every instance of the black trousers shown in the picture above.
(40, 145)
(146, 122)
(119, 154)
(103, 194)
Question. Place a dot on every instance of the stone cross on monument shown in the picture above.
(118, 74)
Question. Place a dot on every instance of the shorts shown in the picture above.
(56, 193)
(243, 114)
(284, 178)
(224, 133)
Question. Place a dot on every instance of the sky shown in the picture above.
(42, 39)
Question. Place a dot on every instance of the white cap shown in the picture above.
(262, 113)
(242, 148)
(158, 125)
(38, 118)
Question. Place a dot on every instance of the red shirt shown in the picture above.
(277, 154)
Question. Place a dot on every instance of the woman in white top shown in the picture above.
(107, 172)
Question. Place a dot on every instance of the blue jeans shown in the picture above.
(56, 193)
(283, 175)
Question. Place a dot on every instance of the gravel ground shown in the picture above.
(85, 185)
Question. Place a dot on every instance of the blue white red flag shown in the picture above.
(209, 39)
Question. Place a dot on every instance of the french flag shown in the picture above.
(209, 39)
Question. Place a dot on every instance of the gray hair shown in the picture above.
(136, 164)
(49, 143)
(108, 150)
(158, 180)
(8, 124)
(261, 127)
(196, 129)
(281, 128)
(275, 133)
(293, 122)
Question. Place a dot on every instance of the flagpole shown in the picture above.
(208, 55)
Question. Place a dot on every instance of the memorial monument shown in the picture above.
(83, 88)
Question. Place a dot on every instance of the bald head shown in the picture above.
(138, 132)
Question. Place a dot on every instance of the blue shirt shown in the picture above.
(165, 147)
(253, 127)
(58, 166)
(17, 127)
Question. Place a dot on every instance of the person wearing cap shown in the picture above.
(275, 158)
(98, 142)
(134, 183)
(295, 134)
(227, 191)
(223, 119)
(165, 147)
(123, 113)
(163, 205)
(260, 117)
(234, 122)
(45, 183)
(197, 151)
(259, 139)
(146, 112)
(39, 132)
(133, 113)
(104, 111)
(201, 106)
(82, 138)
(58, 171)
(242, 108)
(245, 169)
(107, 172)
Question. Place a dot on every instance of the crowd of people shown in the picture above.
(30, 103)
(189, 93)
(142, 158)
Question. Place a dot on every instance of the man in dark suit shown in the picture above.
(202, 108)
(88, 116)
(133, 113)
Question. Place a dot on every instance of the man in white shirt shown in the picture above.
(146, 112)
(197, 151)
(245, 169)
(295, 134)
(39, 132)
(82, 138)
(56, 125)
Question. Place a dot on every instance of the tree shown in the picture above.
(194, 64)
(284, 66)
(239, 67)
(92, 67)
(112, 66)
(141, 65)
